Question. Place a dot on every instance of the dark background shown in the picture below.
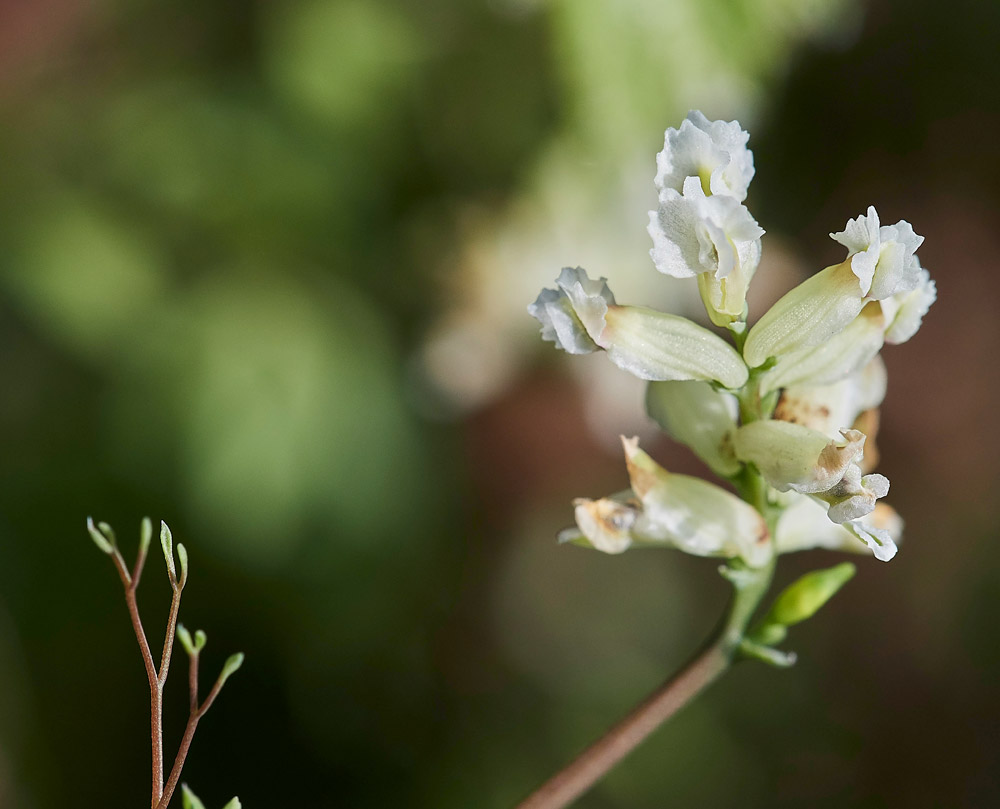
(263, 269)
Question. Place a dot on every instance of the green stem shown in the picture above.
(750, 585)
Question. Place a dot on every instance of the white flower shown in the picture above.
(791, 457)
(881, 257)
(572, 316)
(803, 524)
(671, 510)
(581, 316)
(693, 233)
(713, 151)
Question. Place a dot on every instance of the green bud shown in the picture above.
(231, 666)
(190, 799)
(200, 639)
(167, 543)
(145, 535)
(185, 638)
(233, 804)
(105, 541)
(182, 555)
(803, 598)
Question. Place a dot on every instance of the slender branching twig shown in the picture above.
(104, 538)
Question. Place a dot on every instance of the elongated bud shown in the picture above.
(182, 557)
(233, 804)
(145, 535)
(104, 542)
(698, 415)
(190, 799)
(185, 638)
(804, 598)
(167, 544)
(231, 666)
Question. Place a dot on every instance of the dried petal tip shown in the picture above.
(572, 316)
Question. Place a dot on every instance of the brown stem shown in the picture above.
(569, 784)
(155, 686)
(192, 725)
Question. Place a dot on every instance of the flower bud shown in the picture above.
(803, 598)
(699, 416)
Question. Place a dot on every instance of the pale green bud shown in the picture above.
(167, 544)
(699, 416)
(231, 666)
(190, 799)
(104, 540)
(804, 598)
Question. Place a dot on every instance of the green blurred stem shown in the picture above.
(720, 652)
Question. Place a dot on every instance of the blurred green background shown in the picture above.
(263, 270)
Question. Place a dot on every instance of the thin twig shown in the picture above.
(197, 712)
(131, 582)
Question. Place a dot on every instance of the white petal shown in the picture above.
(905, 310)
(882, 257)
(693, 233)
(699, 416)
(657, 346)
(572, 316)
(714, 151)
(804, 524)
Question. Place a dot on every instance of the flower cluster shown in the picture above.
(785, 410)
